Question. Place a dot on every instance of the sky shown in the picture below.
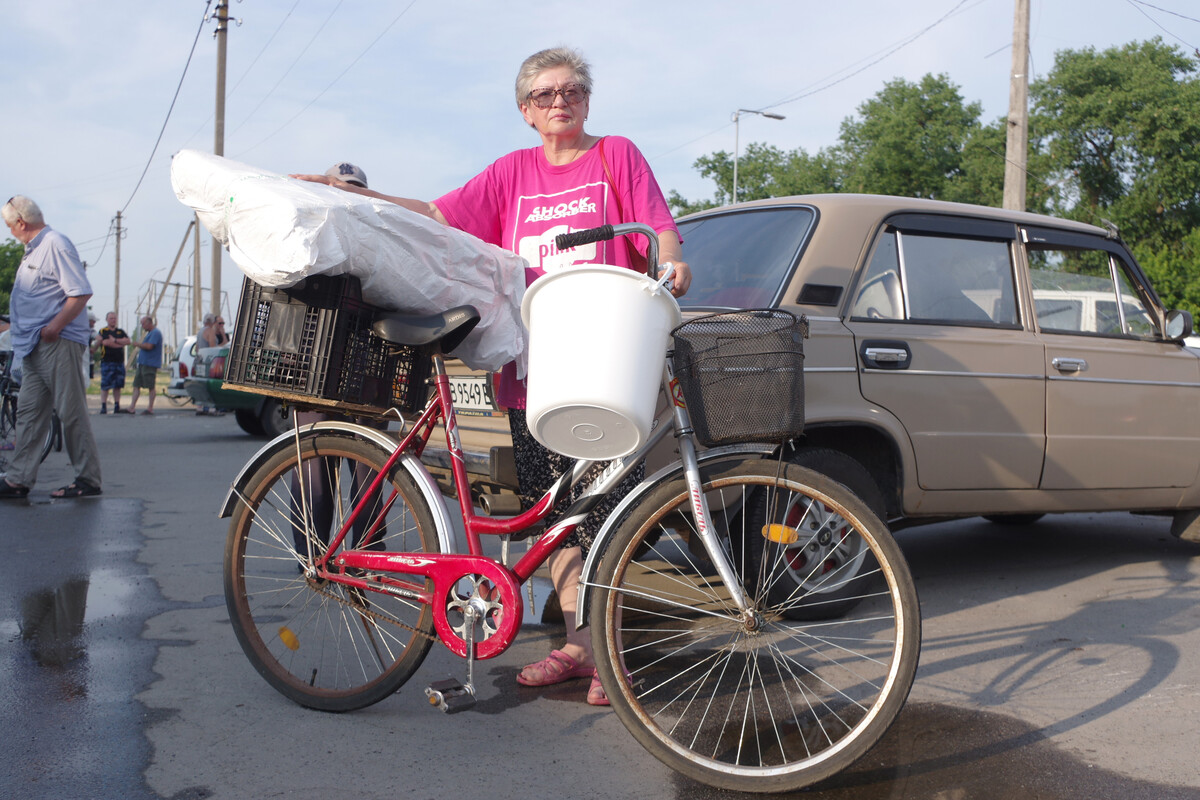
(419, 93)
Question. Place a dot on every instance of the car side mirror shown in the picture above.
(1179, 324)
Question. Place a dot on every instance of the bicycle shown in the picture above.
(9, 389)
(720, 665)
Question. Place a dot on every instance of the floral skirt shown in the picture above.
(538, 468)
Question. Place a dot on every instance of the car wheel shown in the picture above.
(846, 471)
(1013, 520)
(248, 421)
(827, 550)
(275, 418)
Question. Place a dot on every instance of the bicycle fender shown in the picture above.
(667, 473)
(386, 444)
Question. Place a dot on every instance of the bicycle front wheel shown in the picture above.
(778, 700)
(324, 644)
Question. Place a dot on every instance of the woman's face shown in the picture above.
(561, 117)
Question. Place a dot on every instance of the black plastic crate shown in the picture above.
(314, 340)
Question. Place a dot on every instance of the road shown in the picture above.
(1057, 663)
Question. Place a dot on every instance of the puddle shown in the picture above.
(939, 752)
(51, 623)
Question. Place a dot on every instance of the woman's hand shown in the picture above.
(670, 252)
(681, 280)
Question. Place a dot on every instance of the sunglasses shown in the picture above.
(572, 94)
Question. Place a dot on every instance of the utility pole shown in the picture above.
(117, 274)
(1017, 144)
(197, 283)
(219, 137)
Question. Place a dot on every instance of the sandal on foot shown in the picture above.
(10, 492)
(554, 668)
(596, 695)
(80, 488)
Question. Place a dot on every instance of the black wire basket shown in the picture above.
(742, 375)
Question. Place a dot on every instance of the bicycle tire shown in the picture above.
(318, 642)
(8, 430)
(54, 437)
(767, 709)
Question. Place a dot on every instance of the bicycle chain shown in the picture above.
(373, 614)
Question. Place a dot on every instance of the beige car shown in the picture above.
(965, 360)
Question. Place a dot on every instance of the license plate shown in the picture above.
(473, 395)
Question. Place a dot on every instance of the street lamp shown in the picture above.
(737, 115)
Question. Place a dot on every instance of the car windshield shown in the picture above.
(741, 259)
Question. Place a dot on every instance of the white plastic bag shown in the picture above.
(280, 230)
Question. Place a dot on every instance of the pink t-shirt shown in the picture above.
(521, 202)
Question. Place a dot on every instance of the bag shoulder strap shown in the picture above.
(608, 176)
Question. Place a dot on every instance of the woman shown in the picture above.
(573, 181)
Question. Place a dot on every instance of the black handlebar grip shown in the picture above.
(565, 241)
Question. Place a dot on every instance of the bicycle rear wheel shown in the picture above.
(8, 430)
(54, 437)
(321, 643)
(770, 703)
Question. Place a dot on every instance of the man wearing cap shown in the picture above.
(349, 173)
(48, 308)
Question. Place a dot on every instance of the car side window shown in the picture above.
(1086, 291)
(924, 277)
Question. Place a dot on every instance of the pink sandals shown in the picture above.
(555, 668)
(596, 695)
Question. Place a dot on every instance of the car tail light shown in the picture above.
(216, 367)
(183, 370)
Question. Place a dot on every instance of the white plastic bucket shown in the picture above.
(597, 338)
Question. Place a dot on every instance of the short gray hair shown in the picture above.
(209, 319)
(551, 58)
(21, 207)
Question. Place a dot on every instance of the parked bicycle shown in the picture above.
(9, 389)
(755, 625)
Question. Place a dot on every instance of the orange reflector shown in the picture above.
(289, 639)
(780, 534)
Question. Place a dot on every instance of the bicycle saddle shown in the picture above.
(447, 329)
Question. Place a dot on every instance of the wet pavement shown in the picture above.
(1058, 662)
(73, 655)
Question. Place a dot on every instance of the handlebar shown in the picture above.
(565, 241)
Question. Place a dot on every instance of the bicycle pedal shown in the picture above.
(450, 696)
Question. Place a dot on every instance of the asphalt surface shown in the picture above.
(1057, 663)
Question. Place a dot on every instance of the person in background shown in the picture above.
(320, 474)
(207, 337)
(112, 364)
(48, 310)
(219, 329)
(572, 181)
(149, 361)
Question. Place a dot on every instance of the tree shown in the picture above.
(908, 139)
(10, 258)
(1121, 131)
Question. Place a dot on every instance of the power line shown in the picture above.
(1142, 11)
(291, 67)
(900, 46)
(203, 19)
(331, 84)
(823, 86)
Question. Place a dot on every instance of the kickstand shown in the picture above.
(451, 696)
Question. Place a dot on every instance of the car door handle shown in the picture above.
(886, 354)
(890, 354)
(1069, 364)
